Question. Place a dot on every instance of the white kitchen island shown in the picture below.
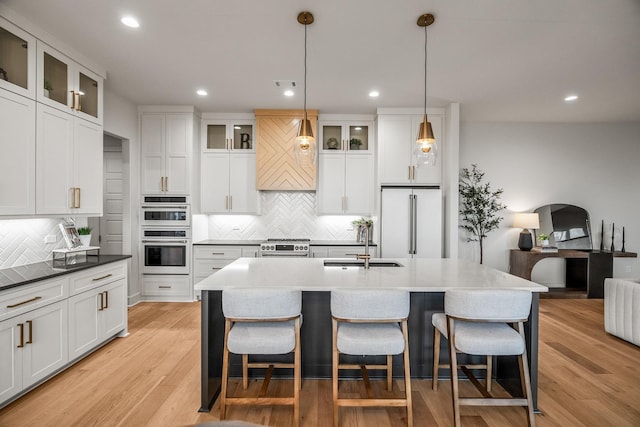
(426, 279)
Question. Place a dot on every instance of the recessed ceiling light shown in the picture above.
(130, 21)
(202, 92)
(571, 98)
(289, 93)
(374, 94)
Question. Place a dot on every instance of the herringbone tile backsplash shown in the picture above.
(22, 240)
(288, 214)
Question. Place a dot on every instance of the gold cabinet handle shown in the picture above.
(164, 287)
(226, 202)
(166, 183)
(79, 106)
(24, 302)
(409, 173)
(21, 327)
(30, 339)
(414, 172)
(73, 99)
(78, 198)
(102, 277)
(73, 197)
(217, 253)
(101, 302)
(106, 299)
(230, 203)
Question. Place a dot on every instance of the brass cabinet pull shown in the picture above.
(78, 198)
(21, 327)
(102, 277)
(106, 299)
(24, 302)
(164, 287)
(166, 183)
(409, 174)
(230, 203)
(79, 106)
(73, 99)
(30, 339)
(226, 202)
(101, 302)
(414, 172)
(217, 253)
(73, 197)
(216, 268)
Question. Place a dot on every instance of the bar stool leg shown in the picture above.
(436, 357)
(336, 414)
(407, 375)
(225, 371)
(489, 372)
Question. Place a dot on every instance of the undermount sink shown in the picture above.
(360, 263)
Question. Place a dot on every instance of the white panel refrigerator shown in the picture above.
(411, 222)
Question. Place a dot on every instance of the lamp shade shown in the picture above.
(526, 220)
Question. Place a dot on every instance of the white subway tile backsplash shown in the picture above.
(22, 240)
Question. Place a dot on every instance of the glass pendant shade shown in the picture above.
(425, 154)
(305, 131)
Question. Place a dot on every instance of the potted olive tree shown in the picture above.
(479, 206)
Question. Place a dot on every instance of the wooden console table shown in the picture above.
(585, 270)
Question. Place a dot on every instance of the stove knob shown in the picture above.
(273, 247)
(306, 248)
(295, 248)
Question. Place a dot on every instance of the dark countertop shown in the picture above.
(29, 273)
(257, 243)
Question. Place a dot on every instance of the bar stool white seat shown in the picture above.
(370, 323)
(264, 322)
(489, 323)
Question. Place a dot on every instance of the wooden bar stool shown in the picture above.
(370, 323)
(489, 323)
(265, 322)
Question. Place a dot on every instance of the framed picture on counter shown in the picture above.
(70, 235)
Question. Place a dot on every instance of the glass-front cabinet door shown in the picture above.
(17, 60)
(68, 86)
(336, 136)
(234, 135)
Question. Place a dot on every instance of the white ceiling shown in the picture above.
(502, 60)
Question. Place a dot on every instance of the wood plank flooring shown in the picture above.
(151, 378)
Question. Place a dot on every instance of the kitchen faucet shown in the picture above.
(366, 255)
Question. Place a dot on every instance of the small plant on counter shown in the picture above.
(479, 206)
(543, 237)
(362, 221)
(84, 231)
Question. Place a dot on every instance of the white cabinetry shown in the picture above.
(32, 346)
(68, 164)
(346, 167)
(96, 315)
(18, 148)
(68, 86)
(341, 251)
(228, 166)
(397, 142)
(208, 259)
(17, 60)
(164, 287)
(42, 329)
(166, 140)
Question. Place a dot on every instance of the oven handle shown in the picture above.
(165, 241)
(284, 255)
(163, 207)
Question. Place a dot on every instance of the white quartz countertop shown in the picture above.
(415, 275)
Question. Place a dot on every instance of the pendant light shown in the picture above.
(305, 145)
(426, 152)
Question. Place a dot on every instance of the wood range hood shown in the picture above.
(276, 167)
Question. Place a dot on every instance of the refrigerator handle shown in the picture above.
(411, 224)
(415, 224)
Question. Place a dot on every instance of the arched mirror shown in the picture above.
(568, 226)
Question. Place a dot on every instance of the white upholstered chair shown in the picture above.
(370, 323)
(265, 322)
(488, 323)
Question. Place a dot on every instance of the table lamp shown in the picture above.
(526, 221)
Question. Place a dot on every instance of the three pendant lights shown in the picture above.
(305, 146)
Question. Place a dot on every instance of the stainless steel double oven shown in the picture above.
(166, 235)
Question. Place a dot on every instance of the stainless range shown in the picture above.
(285, 248)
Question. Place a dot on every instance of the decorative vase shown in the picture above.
(85, 239)
(545, 242)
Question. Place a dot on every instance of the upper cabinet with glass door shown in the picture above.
(17, 60)
(68, 86)
(336, 136)
(228, 135)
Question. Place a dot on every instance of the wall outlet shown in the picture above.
(51, 238)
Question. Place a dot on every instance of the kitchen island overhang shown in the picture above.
(426, 279)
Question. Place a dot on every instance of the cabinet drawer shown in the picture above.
(167, 286)
(217, 252)
(31, 297)
(203, 267)
(97, 276)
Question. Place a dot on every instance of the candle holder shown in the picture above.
(613, 232)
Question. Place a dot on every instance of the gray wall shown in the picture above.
(595, 166)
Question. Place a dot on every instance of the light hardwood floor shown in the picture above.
(151, 378)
